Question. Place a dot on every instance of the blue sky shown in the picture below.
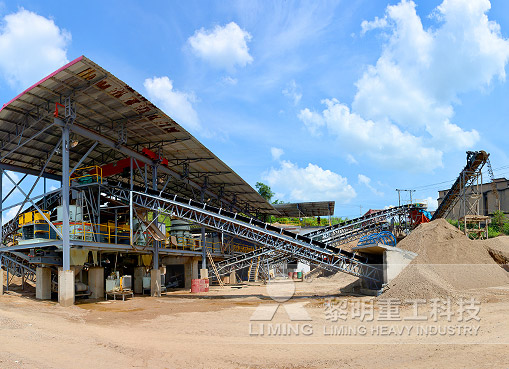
(329, 100)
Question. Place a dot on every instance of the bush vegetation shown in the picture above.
(499, 224)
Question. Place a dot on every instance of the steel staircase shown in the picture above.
(254, 270)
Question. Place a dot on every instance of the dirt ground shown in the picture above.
(217, 330)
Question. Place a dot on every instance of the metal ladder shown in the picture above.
(211, 260)
(254, 270)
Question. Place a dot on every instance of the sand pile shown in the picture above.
(448, 264)
(346, 283)
(498, 248)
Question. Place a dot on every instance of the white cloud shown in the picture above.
(381, 141)
(31, 47)
(224, 47)
(293, 92)
(311, 183)
(432, 203)
(276, 153)
(366, 181)
(409, 95)
(374, 24)
(312, 120)
(7, 185)
(53, 188)
(351, 159)
(6, 182)
(9, 214)
(230, 80)
(412, 85)
(178, 105)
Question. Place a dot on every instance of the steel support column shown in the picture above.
(203, 244)
(1, 205)
(131, 223)
(66, 248)
(156, 219)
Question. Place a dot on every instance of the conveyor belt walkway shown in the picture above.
(274, 238)
(475, 162)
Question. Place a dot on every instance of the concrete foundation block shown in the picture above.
(190, 271)
(43, 283)
(155, 283)
(233, 278)
(395, 261)
(204, 274)
(139, 273)
(96, 282)
(65, 287)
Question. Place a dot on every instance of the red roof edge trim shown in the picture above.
(44, 79)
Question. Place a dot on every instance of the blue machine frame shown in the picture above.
(386, 238)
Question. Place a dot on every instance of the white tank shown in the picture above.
(75, 213)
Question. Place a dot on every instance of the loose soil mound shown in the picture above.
(498, 248)
(448, 264)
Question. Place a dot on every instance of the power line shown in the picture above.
(431, 185)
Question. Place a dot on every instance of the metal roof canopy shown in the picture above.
(122, 122)
(306, 209)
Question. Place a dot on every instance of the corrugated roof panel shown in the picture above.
(306, 209)
(105, 104)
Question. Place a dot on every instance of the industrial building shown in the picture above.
(490, 201)
(143, 205)
(140, 197)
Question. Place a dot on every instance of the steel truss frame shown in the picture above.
(330, 234)
(244, 259)
(471, 172)
(16, 266)
(336, 237)
(121, 147)
(211, 217)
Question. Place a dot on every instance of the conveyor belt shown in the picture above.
(335, 233)
(251, 229)
(475, 162)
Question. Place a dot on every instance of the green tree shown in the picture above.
(264, 190)
(498, 220)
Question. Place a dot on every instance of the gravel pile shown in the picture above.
(448, 264)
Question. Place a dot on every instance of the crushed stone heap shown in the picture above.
(448, 264)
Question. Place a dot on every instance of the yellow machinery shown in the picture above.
(33, 217)
(34, 227)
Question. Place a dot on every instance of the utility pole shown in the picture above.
(399, 195)
(399, 202)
